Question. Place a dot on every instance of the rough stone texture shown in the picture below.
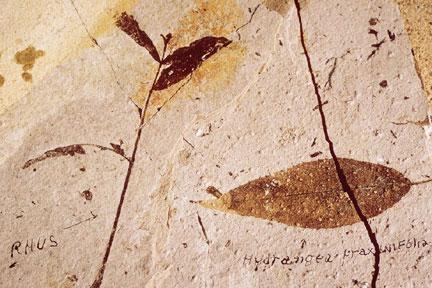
(69, 76)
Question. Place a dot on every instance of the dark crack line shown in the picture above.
(330, 75)
(341, 175)
(189, 143)
(93, 39)
(248, 22)
(203, 229)
(376, 47)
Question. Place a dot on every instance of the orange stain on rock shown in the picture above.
(27, 59)
(282, 6)
(214, 17)
(104, 22)
(219, 70)
(26, 76)
(417, 15)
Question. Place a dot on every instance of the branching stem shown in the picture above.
(99, 277)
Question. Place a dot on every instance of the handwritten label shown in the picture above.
(31, 245)
(264, 262)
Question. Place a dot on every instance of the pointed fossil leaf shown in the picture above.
(117, 148)
(185, 60)
(131, 27)
(310, 195)
(70, 150)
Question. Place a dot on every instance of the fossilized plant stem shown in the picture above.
(341, 175)
(104, 148)
(100, 274)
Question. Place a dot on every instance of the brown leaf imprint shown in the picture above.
(130, 26)
(309, 194)
(70, 150)
(206, 17)
(117, 149)
(185, 60)
(74, 149)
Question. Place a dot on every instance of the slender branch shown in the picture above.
(144, 110)
(99, 277)
(166, 102)
(106, 148)
(421, 182)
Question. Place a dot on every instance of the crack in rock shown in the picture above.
(341, 175)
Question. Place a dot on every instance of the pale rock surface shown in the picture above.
(247, 111)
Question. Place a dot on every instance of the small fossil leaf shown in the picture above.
(70, 150)
(310, 195)
(117, 149)
(130, 26)
(185, 60)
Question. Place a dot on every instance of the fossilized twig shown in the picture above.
(99, 277)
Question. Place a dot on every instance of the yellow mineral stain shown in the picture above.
(282, 6)
(417, 15)
(215, 18)
(61, 45)
(219, 69)
(27, 77)
(27, 59)
(69, 281)
(2, 80)
(28, 56)
(105, 22)
(222, 203)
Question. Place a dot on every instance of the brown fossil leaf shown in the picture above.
(130, 26)
(70, 150)
(185, 60)
(117, 149)
(310, 195)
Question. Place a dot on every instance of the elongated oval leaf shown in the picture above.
(185, 60)
(310, 195)
(70, 150)
(131, 27)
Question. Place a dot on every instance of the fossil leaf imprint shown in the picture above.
(185, 60)
(182, 62)
(130, 26)
(70, 150)
(310, 195)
